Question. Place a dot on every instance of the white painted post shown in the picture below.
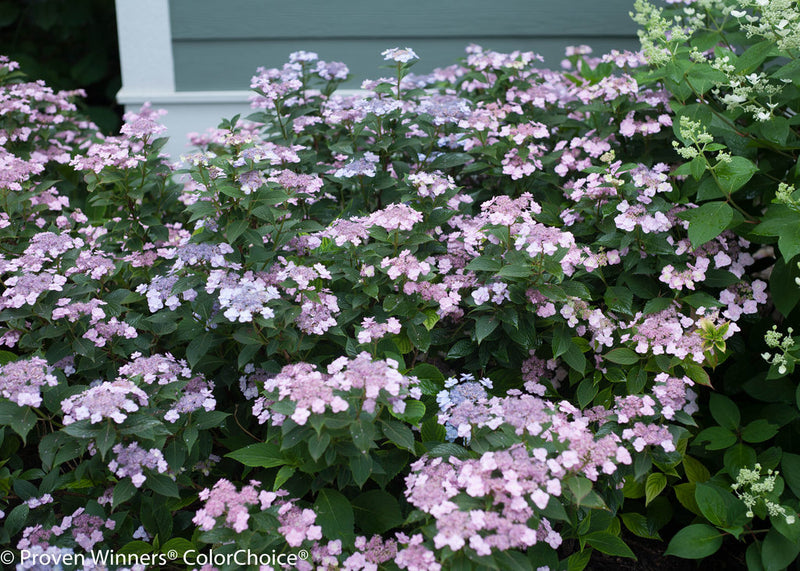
(148, 74)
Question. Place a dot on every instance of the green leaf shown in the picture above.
(734, 174)
(776, 130)
(450, 160)
(106, 438)
(261, 455)
(318, 444)
(136, 547)
(656, 304)
(363, 433)
(162, 484)
(695, 471)
(16, 519)
(578, 561)
(695, 542)
(754, 56)
(376, 512)
(790, 70)
(413, 413)
(586, 392)
(431, 379)
(724, 411)
(622, 356)
(461, 348)
(609, 544)
(738, 457)
(619, 299)
(655, 484)
(718, 438)
(697, 373)
(123, 491)
(419, 336)
(759, 430)
(361, 468)
(712, 504)
(685, 495)
(198, 347)
(398, 433)
(790, 469)
(515, 270)
(782, 285)
(7, 357)
(283, 475)
(708, 221)
(235, 229)
(777, 552)
(790, 531)
(431, 320)
(177, 544)
(335, 515)
(638, 525)
(20, 418)
(485, 263)
(484, 326)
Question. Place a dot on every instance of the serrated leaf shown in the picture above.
(283, 475)
(695, 471)
(262, 455)
(484, 326)
(334, 515)
(398, 433)
(655, 484)
(376, 512)
(609, 544)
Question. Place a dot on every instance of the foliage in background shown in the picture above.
(70, 44)
(733, 71)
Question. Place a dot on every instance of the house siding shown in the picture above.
(218, 44)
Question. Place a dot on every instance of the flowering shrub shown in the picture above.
(465, 319)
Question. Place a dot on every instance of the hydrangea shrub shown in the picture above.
(485, 317)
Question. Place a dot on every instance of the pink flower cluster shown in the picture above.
(223, 499)
(105, 400)
(22, 381)
(86, 530)
(132, 460)
(313, 391)
(372, 330)
(295, 524)
(508, 480)
(242, 296)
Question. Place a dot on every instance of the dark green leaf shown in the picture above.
(724, 411)
(655, 484)
(622, 356)
(163, 485)
(484, 326)
(334, 515)
(708, 221)
(609, 544)
(398, 433)
(376, 512)
(759, 430)
(263, 455)
(777, 552)
(695, 542)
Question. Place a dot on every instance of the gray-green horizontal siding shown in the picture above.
(218, 44)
